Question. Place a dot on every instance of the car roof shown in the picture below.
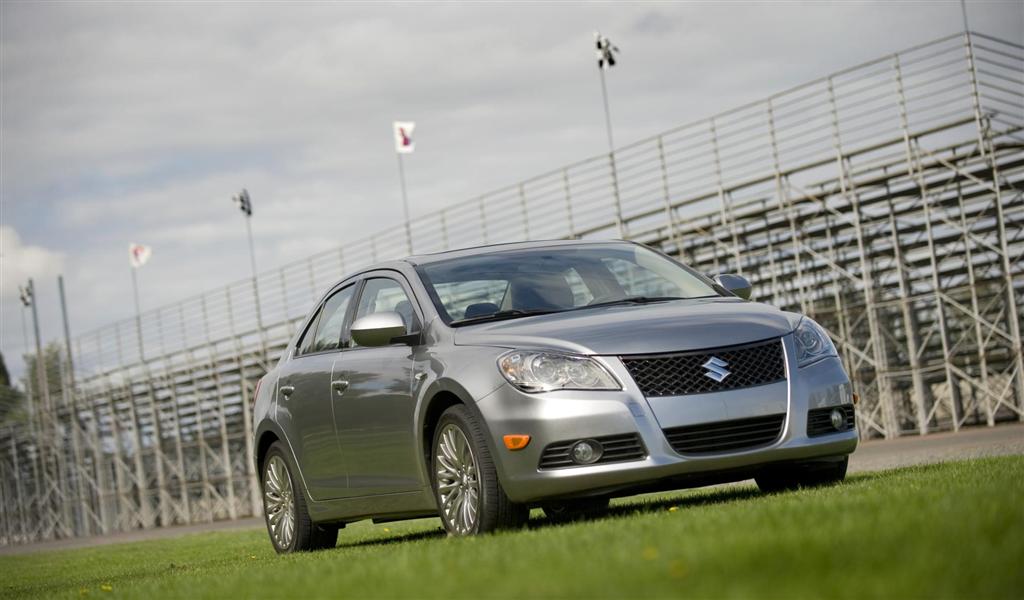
(422, 259)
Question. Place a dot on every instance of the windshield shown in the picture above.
(543, 280)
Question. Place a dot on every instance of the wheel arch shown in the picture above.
(266, 434)
(442, 394)
(263, 443)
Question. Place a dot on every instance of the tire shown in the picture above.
(565, 511)
(284, 507)
(470, 499)
(782, 478)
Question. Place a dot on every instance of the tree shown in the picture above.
(14, 404)
(54, 363)
(12, 400)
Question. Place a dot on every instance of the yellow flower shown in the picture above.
(106, 587)
(673, 509)
(677, 569)
(386, 530)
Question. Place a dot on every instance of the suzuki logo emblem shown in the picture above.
(716, 369)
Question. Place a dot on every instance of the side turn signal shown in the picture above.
(516, 441)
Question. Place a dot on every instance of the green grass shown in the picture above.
(954, 530)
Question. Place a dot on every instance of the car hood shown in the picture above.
(673, 326)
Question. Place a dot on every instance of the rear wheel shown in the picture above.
(469, 496)
(285, 511)
(780, 478)
(578, 509)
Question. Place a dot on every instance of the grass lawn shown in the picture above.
(954, 530)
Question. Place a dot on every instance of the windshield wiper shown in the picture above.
(633, 300)
(502, 315)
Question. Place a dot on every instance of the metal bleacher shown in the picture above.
(885, 200)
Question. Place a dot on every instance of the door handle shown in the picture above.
(287, 390)
(339, 385)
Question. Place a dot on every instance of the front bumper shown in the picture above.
(569, 415)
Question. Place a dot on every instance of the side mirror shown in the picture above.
(737, 284)
(378, 329)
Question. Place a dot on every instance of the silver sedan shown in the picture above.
(475, 384)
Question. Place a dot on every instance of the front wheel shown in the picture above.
(285, 511)
(469, 496)
(780, 478)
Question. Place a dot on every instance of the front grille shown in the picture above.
(617, 448)
(684, 373)
(726, 436)
(819, 420)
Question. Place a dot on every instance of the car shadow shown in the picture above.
(398, 539)
(644, 506)
(710, 497)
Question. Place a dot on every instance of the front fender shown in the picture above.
(467, 373)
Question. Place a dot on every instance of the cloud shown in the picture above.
(653, 22)
(137, 122)
(19, 262)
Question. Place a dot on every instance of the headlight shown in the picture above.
(544, 371)
(812, 343)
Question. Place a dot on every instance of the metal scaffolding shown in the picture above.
(886, 201)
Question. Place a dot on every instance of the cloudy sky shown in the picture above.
(137, 122)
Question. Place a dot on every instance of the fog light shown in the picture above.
(586, 452)
(838, 419)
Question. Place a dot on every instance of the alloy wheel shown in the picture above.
(279, 502)
(458, 483)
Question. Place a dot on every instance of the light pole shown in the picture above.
(29, 296)
(67, 333)
(25, 301)
(606, 52)
(244, 203)
(25, 295)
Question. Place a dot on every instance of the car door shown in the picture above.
(374, 413)
(304, 397)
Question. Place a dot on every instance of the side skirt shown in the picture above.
(382, 507)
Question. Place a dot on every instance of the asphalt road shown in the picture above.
(873, 455)
(976, 442)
